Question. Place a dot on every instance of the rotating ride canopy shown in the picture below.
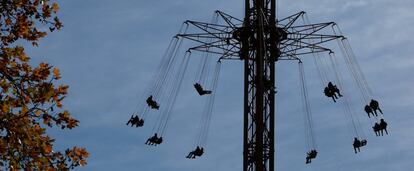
(260, 40)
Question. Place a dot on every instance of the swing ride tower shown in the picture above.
(259, 41)
(258, 38)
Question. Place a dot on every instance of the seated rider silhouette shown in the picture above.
(357, 145)
(158, 141)
(377, 129)
(131, 121)
(140, 123)
(151, 103)
(329, 93)
(311, 155)
(134, 120)
(190, 155)
(154, 140)
(369, 111)
(197, 152)
(383, 127)
(334, 89)
(375, 106)
(200, 89)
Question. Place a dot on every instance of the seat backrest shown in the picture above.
(363, 142)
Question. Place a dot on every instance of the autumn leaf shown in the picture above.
(24, 109)
(55, 7)
(38, 112)
(47, 149)
(5, 108)
(56, 73)
(82, 162)
(8, 21)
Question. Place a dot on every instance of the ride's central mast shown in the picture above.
(260, 39)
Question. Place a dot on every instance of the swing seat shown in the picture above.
(327, 92)
(312, 154)
(200, 89)
(199, 153)
(140, 123)
(154, 141)
(153, 104)
(361, 143)
(158, 141)
(135, 120)
(364, 143)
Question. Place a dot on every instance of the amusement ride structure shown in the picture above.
(260, 40)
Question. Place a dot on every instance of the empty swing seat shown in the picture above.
(200, 89)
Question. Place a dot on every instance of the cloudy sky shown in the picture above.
(108, 50)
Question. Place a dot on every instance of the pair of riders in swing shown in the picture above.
(135, 120)
(379, 128)
(154, 140)
(198, 152)
(332, 91)
(152, 103)
(372, 108)
(311, 155)
(358, 144)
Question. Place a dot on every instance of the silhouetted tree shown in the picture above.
(30, 100)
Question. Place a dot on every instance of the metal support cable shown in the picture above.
(211, 103)
(309, 128)
(203, 72)
(208, 110)
(316, 58)
(347, 107)
(175, 79)
(351, 65)
(141, 108)
(347, 110)
(181, 75)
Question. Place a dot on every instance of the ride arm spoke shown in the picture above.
(304, 49)
(209, 26)
(204, 35)
(292, 19)
(228, 19)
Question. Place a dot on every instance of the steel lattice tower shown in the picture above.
(259, 93)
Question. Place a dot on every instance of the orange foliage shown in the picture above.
(30, 101)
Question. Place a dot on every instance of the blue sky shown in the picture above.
(108, 50)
